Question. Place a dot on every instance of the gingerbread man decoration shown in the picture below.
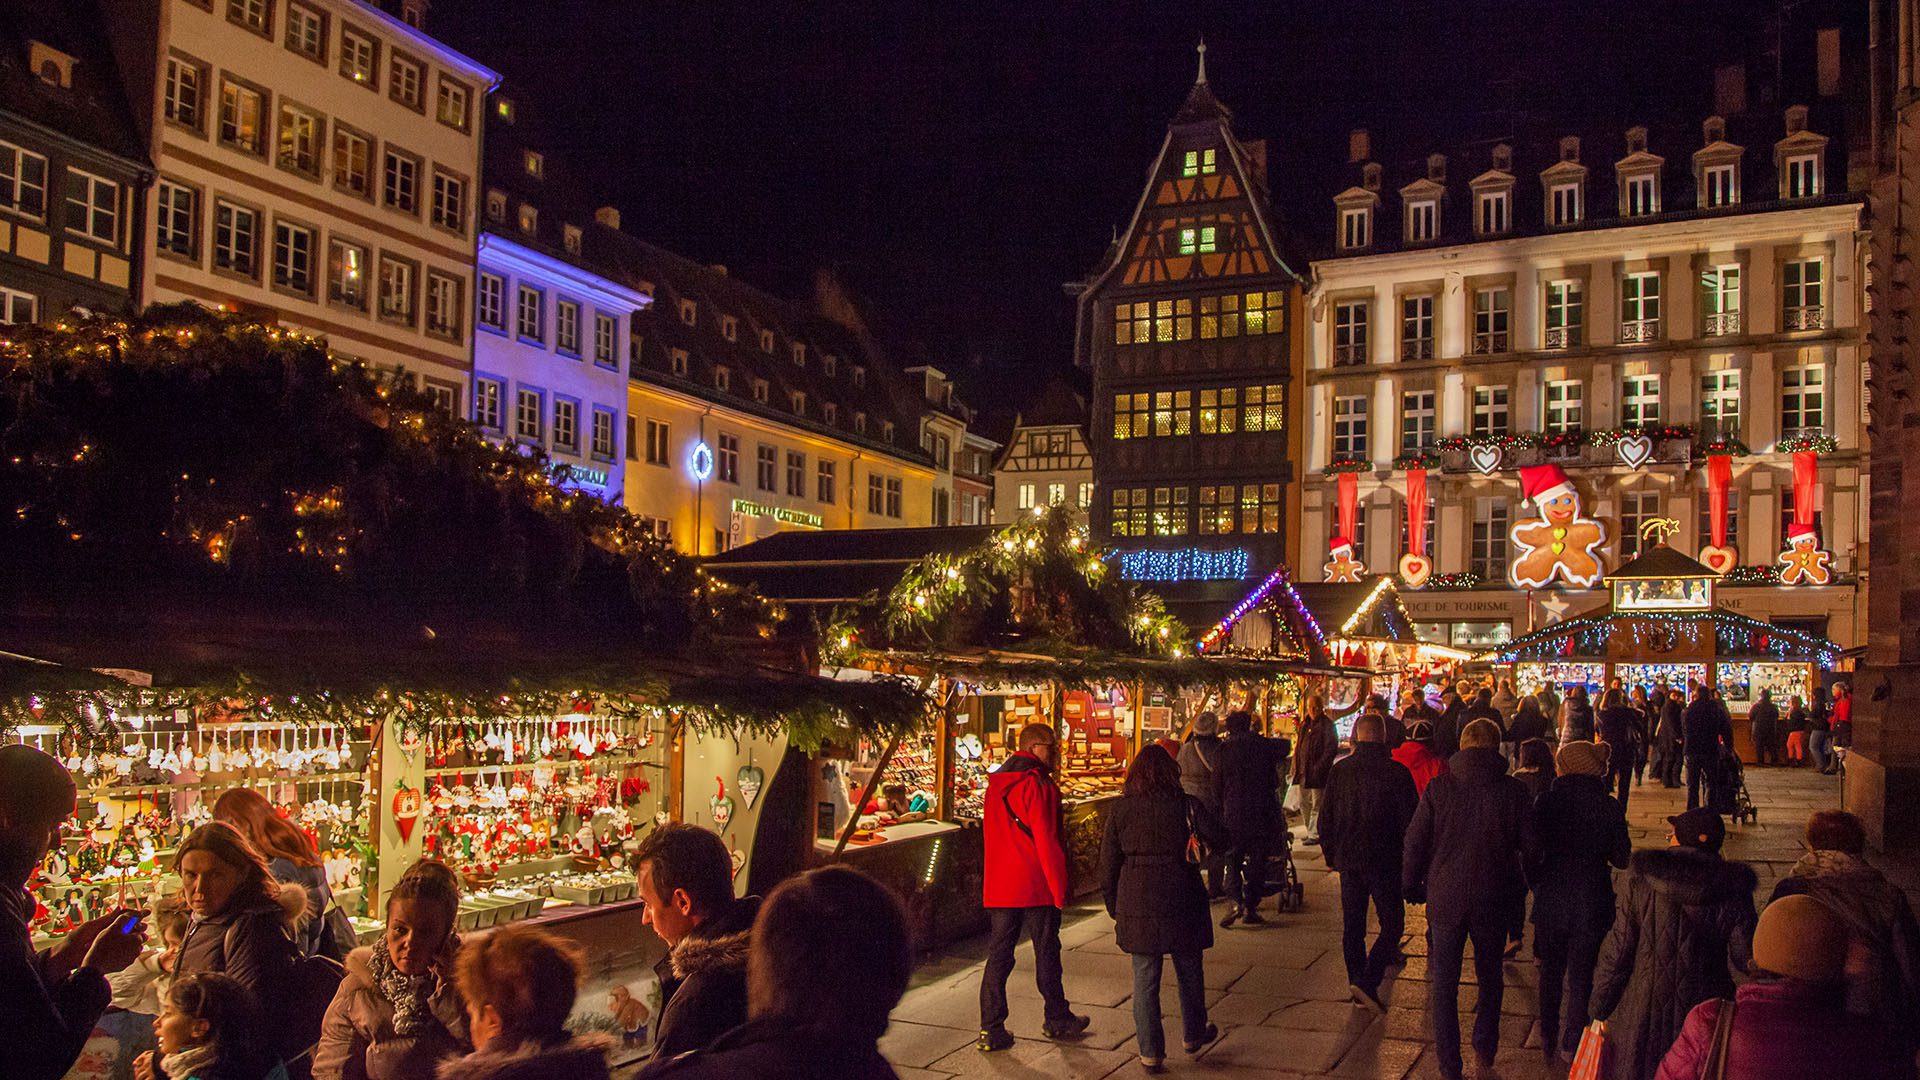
(1803, 563)
(1560, 545)
(1343, 567)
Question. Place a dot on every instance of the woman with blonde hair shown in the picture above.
(291, 857)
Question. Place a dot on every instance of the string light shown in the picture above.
(1186, 564)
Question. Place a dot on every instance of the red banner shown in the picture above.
(1806, 486)
(1416, 511)
(1348, 488)
(1719, 477)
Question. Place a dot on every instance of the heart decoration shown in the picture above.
(1485, 458)
(720, 806)
(1635, 450)
(1415, 569)
(738, 857)
(749, 781)
(406, 811)
(1719, 559)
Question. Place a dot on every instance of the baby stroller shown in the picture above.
(1283, 881)
(1727, 793)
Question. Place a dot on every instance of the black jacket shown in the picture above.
(1620, 727)
(1672, 721)
(1246, 775)
(1706, 730)
(46, 1013)
(1469, 838)
(777, 1049)
(1529, 724)
(1478, 711)
(1765, 717)
(1156, 897)
(1581, 830)
(1883, 970)
(1446, 730)
(1684, 917)
(256, 941)
(1364, 814)
(1579, 725)
(703, 982)
(1319, 744)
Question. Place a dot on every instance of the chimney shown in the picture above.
(1503, 158)
(1359, 146)
(1636, 140)
(608, 216)
(1570, 148)
(1713, 129)
(414, 13)
(1370, 176)
(1796, 119)
(1437, 168)
(1730, 89)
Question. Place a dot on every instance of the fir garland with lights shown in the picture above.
(1656, 432)
(1805, 441)
(1507, 441)
(1724, 445)
(1348, 465)
(1459, 579)
(1752, 575)
(1416, 460)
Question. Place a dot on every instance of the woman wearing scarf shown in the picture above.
(397, 1014)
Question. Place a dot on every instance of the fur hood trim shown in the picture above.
(295, 911)
(581, 1056)
(724, 954)
(1694, 876)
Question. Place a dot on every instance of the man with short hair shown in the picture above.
(1025, 887)
(685, 877)
(49, 1001)
(1705, 733)
(1363, 827)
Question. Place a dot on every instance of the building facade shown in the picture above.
(1047, 461)
(318, 162)
(1613, 306)
(1188, 328)
(73, 173)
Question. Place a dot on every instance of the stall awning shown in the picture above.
(1736, 637)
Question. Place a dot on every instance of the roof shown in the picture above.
(802, 566)
(1736, 635)
(1334, 605)
(1661, 561)
(95, 109)
(1058, 405)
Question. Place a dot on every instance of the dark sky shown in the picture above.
(956, 162)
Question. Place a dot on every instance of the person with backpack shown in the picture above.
(292, 858)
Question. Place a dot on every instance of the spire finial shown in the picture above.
(1201, 79)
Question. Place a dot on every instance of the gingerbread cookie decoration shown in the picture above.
(1560, 545)
(1343, 567)
(1803, 563)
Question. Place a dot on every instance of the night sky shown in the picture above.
(956, 163)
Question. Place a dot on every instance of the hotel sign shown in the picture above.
(749, 508)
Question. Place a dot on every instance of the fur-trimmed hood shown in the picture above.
(719, 946)
(296, 911)
(1694, 876)
(583, 1057)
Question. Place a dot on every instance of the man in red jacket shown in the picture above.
(1026, 886)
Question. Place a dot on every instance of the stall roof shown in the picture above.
(840, 566)
(1309, 614)
(1738, 637)
(1001, 667)
(1661, 561)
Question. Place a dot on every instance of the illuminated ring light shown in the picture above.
(700, 462)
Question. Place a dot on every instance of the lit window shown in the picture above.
(1640, 401)
(185, 99)
(535, 164)
(359, 57)
(1197, 241)
(1219, 412)
(1263, 408)
(452, 104)
(1132, 416)
(352, 162)
(1199, 163)
(1129, 512)
(1170, 516)
(243, 118)
(443, 305)
(299, 140)
(397, 290)
(347, 274)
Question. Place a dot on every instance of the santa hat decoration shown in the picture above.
(1538, 483)
(1339, 547)
(1801, 535)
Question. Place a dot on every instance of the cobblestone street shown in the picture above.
(1279, 992)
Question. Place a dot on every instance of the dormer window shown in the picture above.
(729, 328)
(1642, 195)
(677, 362)
(860, 423)
(799, 351)
(799, 403)
(496, 204)
(570, 239)
(536, 165)
(1563, 204)
(1493, 211)
(55, 68)
(1197, 240)
(722, 379)
(1199, 163)
(1356, 227)
(760, 391)
(1802, 177)
(1423, 221)
(1720, 185)
(830, 364)
(689, 312)
(529, 219)
(830, 412)
(886, 431)
(766, 341)
(859, 375)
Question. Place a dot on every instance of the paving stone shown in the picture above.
(1316, 1016)
(1373, 1056)
(1033, 1058)
(919, 1045)
(1309, 1052)
(1246, 1008)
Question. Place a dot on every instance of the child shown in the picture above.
(141, 987)
(208, 1030)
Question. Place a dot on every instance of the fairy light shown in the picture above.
(1366, 607)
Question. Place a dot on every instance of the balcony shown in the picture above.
(1725, 324)
(1808, 317)
(1416, 349)
(1490, 343)
(1639, 331)
(1350, 355)
(1577, 455)
(1561, 337)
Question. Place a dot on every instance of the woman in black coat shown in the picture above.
(1157, 900)
(1582, 831)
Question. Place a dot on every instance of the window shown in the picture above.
(406, 82)
(401, 188)
(449, 201)
(1170, 512)
(678, 361)
(1260, 506)
(1084, 494)
(1173, 413)
(530, 314)
(1162, 320)
(307, 32)
(1563, 207)
(347, 274)
(729, 328)
(1199, 163)
(252, 14)
(765, 462)
(1025, 497)
(176, 225)
(796, 474)
(496, 205)
(566, 424)
(859, 422)
(293, 257)
(1636, 509)
(1803, 177)
(1354, 231)
(1129, 516)
(689, 312)
(1640, 401)
(1803, 399)
(492, 307)
(529, 414)
(1643, 195)
(1640, 307)
(1490, 410)
(1493, 212)
(1801, 297)
(23, 181)
(799, 353)
(941, 447)
(1706, 517)
(1416, 420)
(93, 207)
(352, 162)
(1218, 511)
(829, 412)
(243, 118)
(487, 405)
(1491, 310)
(443, 305)
(1720, 300)
(236, 238)
(1566, 406)
(876, 493)
(359, 57)
(1487, 546)
(451, 105)
(1198, 241)
(760, 391)
(1350, 333)
(185, 97)
(1219, 316)
(1416, 328)
(1406, 520)
(299, 140)
(603, 434)
(1350, 427)
(823, 481)
(1263, 408)
(534, 163)
(1218, 411)
(606, 340)
(566, 327)
(17, 308)
(658, 433)
(1132, 416)
(886, 430)
(1720, 403)
(397, 278)
(722, 379)
(766, 341)
(1566, 315)
(1719, 185)
(859, 375)
(830, 365)
(1423, 221)
(893, 496)
(1263, 313)
(529, 218)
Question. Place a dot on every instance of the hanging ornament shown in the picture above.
(748, 783)
(1486, 458)
(720, 806)
(406, 811)
(1718, 556)
(1634, 450)
(1803, 563)
(1560, 544)
(1342, 567)
(1346, 486)
(1415, 567)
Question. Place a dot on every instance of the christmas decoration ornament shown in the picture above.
(748, 782)
(1803, 563)
(1415, 567)
(1560, 545)
(1347, 503)
(406, 811)
(1634, 450)
(1718, 556)
(1342, 567)
(720, 806)
(1485, 458)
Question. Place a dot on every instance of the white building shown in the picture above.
(1047, 461)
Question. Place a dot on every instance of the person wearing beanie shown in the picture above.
(1792, 1022)
(1196, 757)
(1618, 727)
(1582, 831)
(1683, 925)
(1419, 756)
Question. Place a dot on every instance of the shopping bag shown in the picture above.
(1292, 801)
(1590, 1061)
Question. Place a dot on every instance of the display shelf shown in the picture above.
(603, 760)
(115, 791)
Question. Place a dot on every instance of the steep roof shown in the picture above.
(94, 109)
(1661, 561)
(1059, 404)
(807, 567)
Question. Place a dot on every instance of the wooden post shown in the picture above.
(873, 782)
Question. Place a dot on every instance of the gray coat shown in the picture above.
(1197, 756)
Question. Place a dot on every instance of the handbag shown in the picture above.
(1199, 852)
(1714, 1065)
(1590, 1061)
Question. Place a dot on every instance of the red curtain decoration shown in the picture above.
(1806, 486)
(1348, 488)
(1416, 511)
(1719, 477)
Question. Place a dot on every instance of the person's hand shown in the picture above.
(143, 1066)
(72, 952)
(119, 944)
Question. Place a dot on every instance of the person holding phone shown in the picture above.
(49, 1001)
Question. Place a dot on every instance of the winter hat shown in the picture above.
(1699, 828)
(1801, 938)
(1339, 547)
(1207, 723)
(1420, 730)
(1538, 483)
(1582, 759)
(1801, 535)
